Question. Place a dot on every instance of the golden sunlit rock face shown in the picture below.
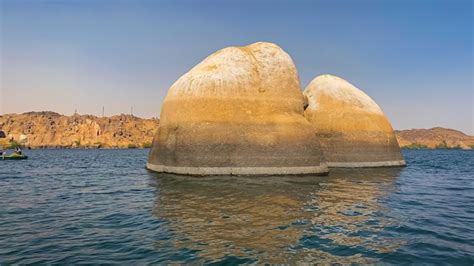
(351, 127)
(238, 112)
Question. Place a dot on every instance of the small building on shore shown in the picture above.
(2, 135)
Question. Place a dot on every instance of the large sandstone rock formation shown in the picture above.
(238, 112)
(351, 127)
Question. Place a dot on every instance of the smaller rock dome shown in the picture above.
(351, 127)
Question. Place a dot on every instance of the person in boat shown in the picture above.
(18, 150)
(3, 154)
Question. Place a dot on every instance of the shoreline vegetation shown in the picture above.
(434, 138)
(49, 130)
(13, 144)
(417, 146)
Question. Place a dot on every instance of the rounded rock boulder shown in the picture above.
(352, 129)
(238, 112)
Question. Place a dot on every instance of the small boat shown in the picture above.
(14, 157)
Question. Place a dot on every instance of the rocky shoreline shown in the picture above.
(38, 130)
(434, 138)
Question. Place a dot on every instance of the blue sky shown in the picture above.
(414, 58)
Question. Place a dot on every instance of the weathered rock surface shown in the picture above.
(238, 112)
(351, 127)
(434, 138)
(52, 130)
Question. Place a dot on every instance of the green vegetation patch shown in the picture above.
(444, 145)
(77, 143)
(415, 146)
(146, 145)
(98, 145)
(13, 144)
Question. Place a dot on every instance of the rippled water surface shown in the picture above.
(102, 206)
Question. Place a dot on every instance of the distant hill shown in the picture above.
(433, 138)
(53, 130)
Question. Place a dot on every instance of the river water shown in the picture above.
(102, 206)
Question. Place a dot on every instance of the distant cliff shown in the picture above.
(434, 138)
(52, 130)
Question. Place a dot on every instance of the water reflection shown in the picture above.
(338, 218)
